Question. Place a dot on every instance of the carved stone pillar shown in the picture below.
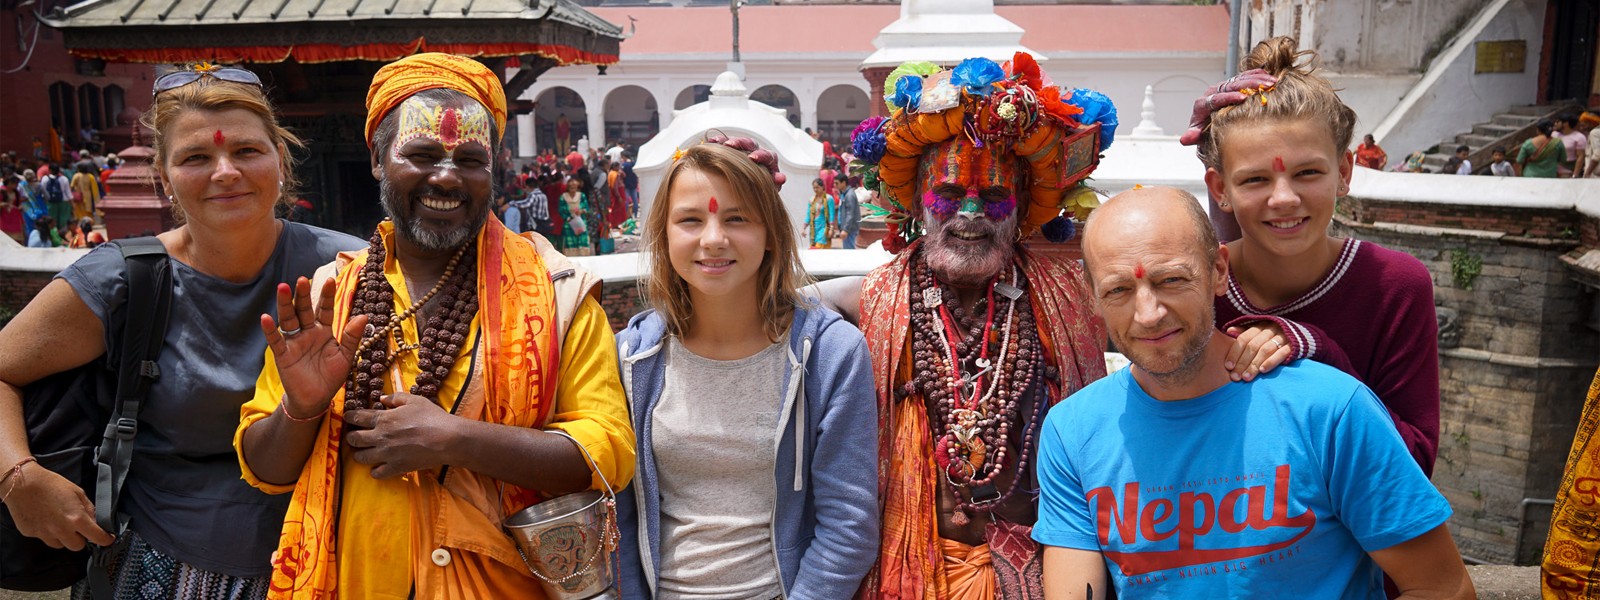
(134, 204)
(875, 77)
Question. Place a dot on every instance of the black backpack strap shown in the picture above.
(146, 315)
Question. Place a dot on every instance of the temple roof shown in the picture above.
(310, 31)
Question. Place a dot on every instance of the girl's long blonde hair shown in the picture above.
(780, 275)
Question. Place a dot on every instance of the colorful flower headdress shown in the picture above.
(1014, 108)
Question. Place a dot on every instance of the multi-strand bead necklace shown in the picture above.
(975, 372)
(456, 299)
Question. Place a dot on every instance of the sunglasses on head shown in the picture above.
(178, 79)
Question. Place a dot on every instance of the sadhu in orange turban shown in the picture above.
(400, 79)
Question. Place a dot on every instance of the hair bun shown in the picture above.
(1278, 56)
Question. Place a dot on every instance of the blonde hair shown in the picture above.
(780, 275)
(1300, 94)
(216, 95)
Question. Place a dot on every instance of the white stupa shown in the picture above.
(730, 111)
(945, 32)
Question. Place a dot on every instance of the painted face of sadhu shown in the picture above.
(969, 209)
(436, 178)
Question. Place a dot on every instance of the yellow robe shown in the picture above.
(388, 532)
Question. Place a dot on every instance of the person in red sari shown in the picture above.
(1369, 155)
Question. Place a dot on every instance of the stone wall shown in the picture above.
(1515, 358)
(17, 288)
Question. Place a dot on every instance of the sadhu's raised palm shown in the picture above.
(312, 364)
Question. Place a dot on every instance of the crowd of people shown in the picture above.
(54, 204)
(577, 201)
(1567, 147)
(943, 428)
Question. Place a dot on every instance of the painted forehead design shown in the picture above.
(450, 126)
(958, 161)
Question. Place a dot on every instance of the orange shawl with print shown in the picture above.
(1571, 566)
(910, 559)
(517, 312)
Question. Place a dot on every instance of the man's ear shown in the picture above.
(1217, 191)
(377, 163)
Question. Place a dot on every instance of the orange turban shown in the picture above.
(400, 79)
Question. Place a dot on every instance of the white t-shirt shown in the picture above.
(715, 438)
(1465, 168)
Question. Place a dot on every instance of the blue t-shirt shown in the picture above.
(1273, 489)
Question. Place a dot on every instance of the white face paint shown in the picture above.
(449, 126)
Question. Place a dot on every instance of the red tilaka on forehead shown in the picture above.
(1277, 164)
(1138, 271)
(713, 206)
(218, 138)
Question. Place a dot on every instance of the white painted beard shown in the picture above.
(425, 238)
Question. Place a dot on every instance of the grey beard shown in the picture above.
(412, 230)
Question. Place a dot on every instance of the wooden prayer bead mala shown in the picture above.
(440, 338)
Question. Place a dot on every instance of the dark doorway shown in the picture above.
(359, 210)
(1572, 50)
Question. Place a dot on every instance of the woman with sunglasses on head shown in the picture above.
(757, 429)
(1276, 162)
(196, 530)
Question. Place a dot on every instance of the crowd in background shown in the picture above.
(50, 204)
(1566, 147)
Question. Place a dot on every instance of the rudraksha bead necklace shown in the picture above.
(974, 380)
(440, 339)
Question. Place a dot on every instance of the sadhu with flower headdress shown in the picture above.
(972, 335)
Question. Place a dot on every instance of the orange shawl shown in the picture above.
(910, 560)
(517, 313)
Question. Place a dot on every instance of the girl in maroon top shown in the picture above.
(1276, 162)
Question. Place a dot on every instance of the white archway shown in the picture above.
(839, 109)
(554, 106)
(631, 115)
(781, 98)
(691, 96)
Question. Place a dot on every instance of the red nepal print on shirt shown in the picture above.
(1215, 517)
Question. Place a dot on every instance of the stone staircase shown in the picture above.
(1508, 129)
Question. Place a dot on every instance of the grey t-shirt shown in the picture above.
(715, 431)
(184, 493)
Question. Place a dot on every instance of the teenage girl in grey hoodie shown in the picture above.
(756, 424)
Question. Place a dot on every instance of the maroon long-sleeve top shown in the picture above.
(1371, 316)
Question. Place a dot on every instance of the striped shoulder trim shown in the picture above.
(1347, 257)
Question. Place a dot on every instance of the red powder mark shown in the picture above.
(713, 207)
(219, 138)
(1277, 164)
(1138, 271)
(450, 127)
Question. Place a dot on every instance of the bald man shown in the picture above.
(1169, 480)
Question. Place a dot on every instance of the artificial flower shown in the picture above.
(907, 93)
(1026, 69)
(1050, 103)
(977, 76)
(868, 141)
(1097, 108)
(922, 68)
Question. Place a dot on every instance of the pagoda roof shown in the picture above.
(313, 31)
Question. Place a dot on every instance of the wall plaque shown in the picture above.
(1505, 56)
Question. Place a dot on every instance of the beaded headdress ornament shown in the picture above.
(1005, 124)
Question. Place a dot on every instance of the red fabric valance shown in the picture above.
(320, 53)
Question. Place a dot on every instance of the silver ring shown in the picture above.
(1211, 103)
(288, 332)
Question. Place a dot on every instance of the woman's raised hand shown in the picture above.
(312, 364)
